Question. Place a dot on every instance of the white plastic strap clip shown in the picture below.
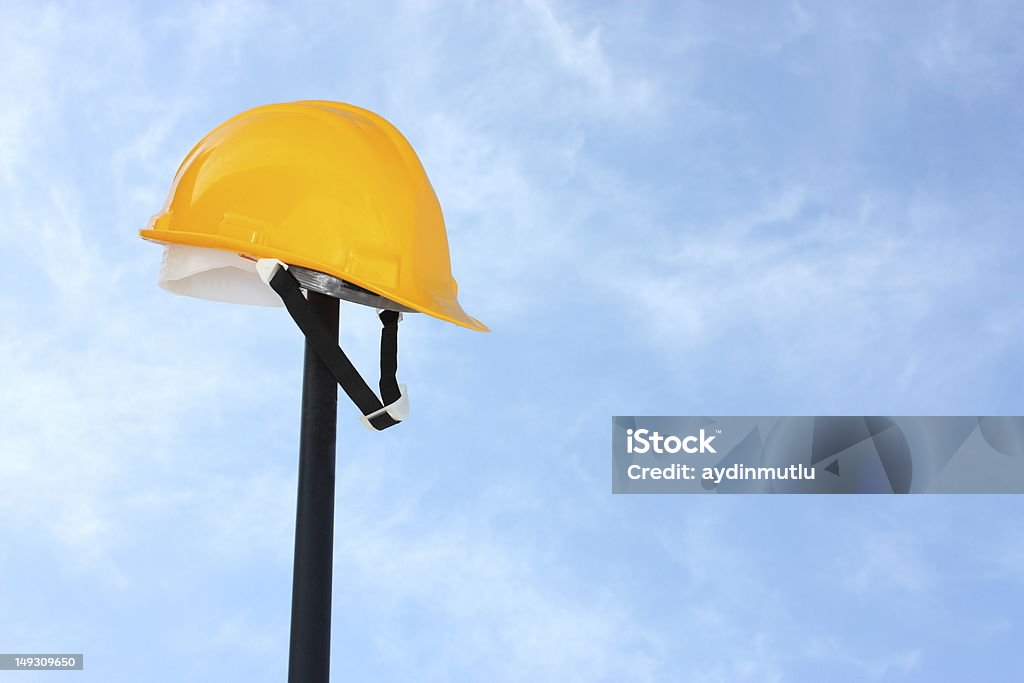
(399, 410)
(267, 268)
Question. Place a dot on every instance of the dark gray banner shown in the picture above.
(40, 662)
(843, 454)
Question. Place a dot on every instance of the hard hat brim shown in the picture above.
(448, 310)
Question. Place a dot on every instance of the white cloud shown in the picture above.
(885, 562)
(585, 58)
(880, 667)
(505, 602)
(802, 286)
(27, 58)
(970, 50)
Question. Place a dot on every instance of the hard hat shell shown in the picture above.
(322, 185)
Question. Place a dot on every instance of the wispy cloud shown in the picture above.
(971, 50)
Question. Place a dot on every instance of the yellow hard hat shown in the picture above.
(314, 195)
(325, 186)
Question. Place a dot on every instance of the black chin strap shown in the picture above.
(378, 413)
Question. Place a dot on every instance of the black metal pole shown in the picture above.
(309, 656)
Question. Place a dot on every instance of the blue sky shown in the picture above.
(785, 208)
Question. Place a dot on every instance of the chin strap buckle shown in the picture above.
(398, 411)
